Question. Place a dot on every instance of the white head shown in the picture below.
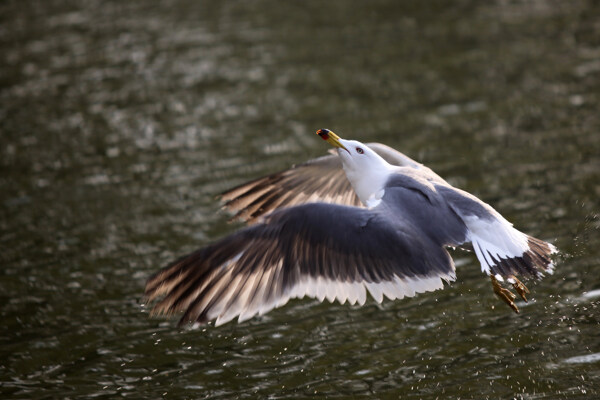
(365, 169)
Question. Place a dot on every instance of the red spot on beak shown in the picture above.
(324, 133)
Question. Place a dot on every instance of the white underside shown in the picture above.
(374, 200)
(496, 237)
(321, 289)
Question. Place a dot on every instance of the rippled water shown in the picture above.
(120, 122)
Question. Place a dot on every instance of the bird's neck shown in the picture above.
(369, 185)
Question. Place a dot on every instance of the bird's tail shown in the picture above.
(502, 250)
(505, 252)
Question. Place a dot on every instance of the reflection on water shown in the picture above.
(120, 122)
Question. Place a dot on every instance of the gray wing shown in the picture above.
(318, 180)
(317, 250)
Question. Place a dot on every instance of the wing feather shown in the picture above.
(318, 250)
(318, 180)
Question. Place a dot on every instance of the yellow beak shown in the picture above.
(331, 138)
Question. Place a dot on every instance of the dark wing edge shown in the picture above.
(533, 263)
(321, 251)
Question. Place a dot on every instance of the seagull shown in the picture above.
(364, 219)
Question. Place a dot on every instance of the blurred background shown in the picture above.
(121, 121)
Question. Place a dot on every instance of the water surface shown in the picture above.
(120, 122)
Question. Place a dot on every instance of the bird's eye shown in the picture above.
(360, 151)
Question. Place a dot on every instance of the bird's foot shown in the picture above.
(520, 288)
(506, 295)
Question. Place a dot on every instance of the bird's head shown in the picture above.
(365, 169)
(355, 155)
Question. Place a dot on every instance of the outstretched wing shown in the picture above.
(318, 180)
(317, 250)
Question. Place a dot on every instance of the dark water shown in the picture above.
(120, 122)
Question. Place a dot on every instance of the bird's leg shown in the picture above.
(506, 295)
(520, 288)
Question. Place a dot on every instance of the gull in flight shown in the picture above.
(365, 219)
